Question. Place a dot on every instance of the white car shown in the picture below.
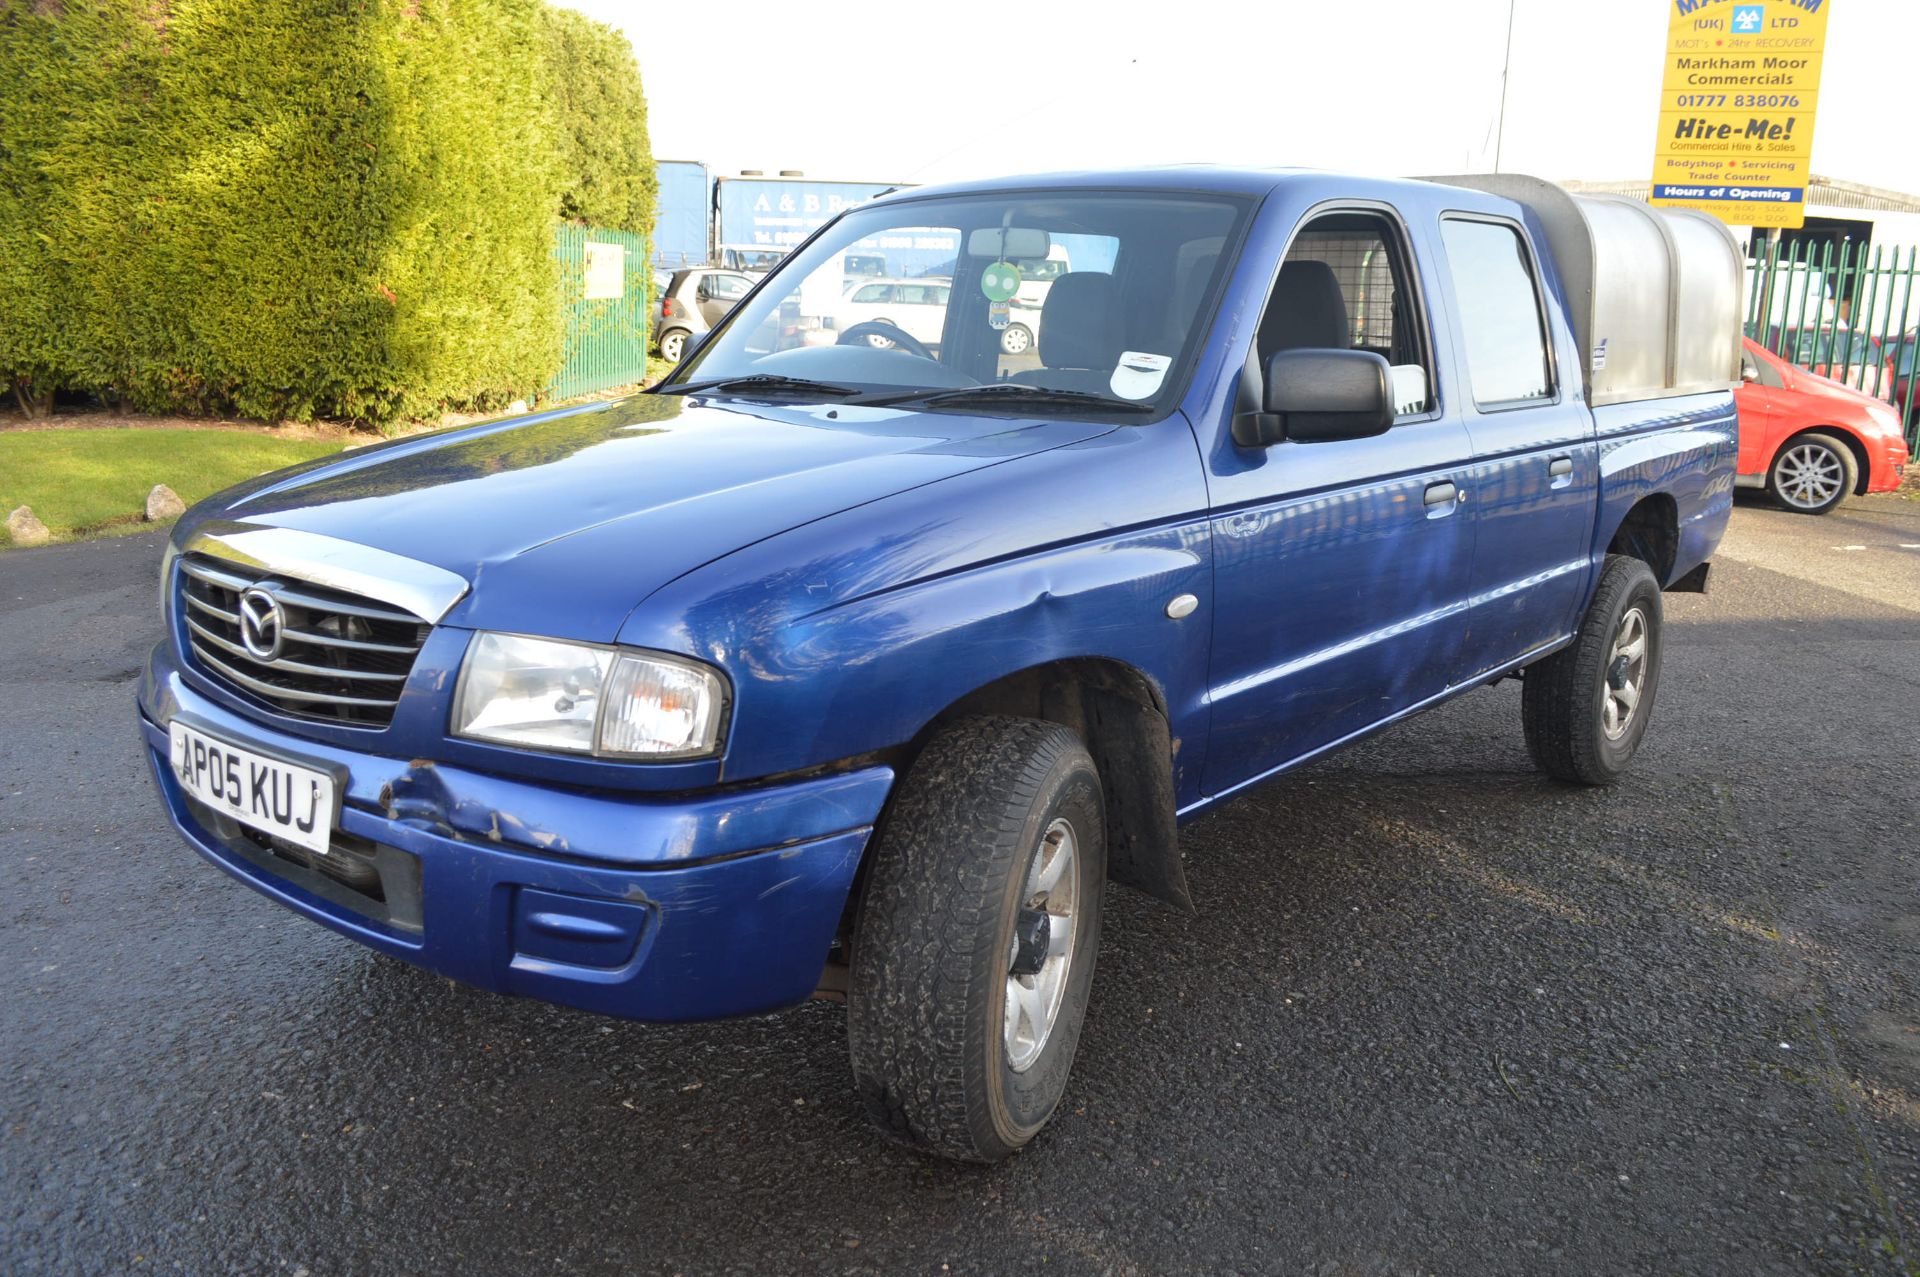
(917, 307)
(1036, 278)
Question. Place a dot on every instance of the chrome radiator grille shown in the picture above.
(298, 648)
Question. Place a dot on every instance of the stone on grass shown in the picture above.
(163, 503)
(26, 529)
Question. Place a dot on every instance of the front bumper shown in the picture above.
(647, 908)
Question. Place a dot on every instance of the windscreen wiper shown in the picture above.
(1012, 395)
(762, 381)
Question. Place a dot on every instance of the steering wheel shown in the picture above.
(894, 336)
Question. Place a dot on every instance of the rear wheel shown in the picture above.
(673, 344)
(1016, 340)
(974, 947)
(1813, 474)
(1586, 707)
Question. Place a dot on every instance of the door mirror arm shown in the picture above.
(1253, 425)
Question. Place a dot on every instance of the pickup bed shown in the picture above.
(845, 663)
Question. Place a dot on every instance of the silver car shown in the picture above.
(694, 300)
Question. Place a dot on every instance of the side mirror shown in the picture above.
(1319, 396)
(704, 290)
(691, 345)
(1748, 372)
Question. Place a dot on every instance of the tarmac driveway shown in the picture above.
(1436, 1014)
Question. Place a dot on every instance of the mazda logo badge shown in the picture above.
(263, 625)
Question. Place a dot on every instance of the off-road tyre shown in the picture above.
(1562, 699)
(935, 929)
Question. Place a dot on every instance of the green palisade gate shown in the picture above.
(1795, 296)
(606, 342)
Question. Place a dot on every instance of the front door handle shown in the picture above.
(1442, 493)
(1560, 472)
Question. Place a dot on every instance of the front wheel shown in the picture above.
(1586, 707)
(1813, 474)
(974, 946)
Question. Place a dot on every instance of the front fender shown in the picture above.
(851, 634)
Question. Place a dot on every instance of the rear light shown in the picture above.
(670, 309)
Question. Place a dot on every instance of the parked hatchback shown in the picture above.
(886, 307)
(693, 301)
(1810, 441)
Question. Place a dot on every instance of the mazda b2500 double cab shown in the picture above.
(834, 668)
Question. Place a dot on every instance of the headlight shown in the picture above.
(1884, 417)
(581, 699)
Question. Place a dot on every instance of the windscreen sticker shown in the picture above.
(1000, 281)
(1139, 374)
(999, 315)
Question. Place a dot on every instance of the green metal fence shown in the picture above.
(1845, 310)
(607, 286)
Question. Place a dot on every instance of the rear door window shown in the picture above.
(1502, 327)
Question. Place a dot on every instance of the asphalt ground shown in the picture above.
(1435, 1014)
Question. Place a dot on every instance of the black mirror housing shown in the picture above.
(1320, 396)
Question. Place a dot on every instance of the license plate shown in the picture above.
(279, 798)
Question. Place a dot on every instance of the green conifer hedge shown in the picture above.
(290, 208)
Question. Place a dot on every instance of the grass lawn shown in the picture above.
(95, 482)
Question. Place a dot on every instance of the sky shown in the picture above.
(914, 92)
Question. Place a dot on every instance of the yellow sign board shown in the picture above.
(1737, 107)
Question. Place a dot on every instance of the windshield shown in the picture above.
(1100, 293)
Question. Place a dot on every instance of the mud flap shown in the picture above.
(1135, 757)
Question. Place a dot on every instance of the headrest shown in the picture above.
(1079, 325)
(1308, 311)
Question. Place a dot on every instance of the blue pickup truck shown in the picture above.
(849, 664)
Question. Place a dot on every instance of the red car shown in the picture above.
(1811, 441)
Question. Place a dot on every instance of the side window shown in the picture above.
(1345, 285)
(730, 287)
(871, 293)
(1500, 322)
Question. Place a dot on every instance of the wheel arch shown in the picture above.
(1862, 461)
(1121, 714)
(1650, 532)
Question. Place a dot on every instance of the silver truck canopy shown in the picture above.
(1654, 294)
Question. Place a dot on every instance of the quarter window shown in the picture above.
(1500, 322)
